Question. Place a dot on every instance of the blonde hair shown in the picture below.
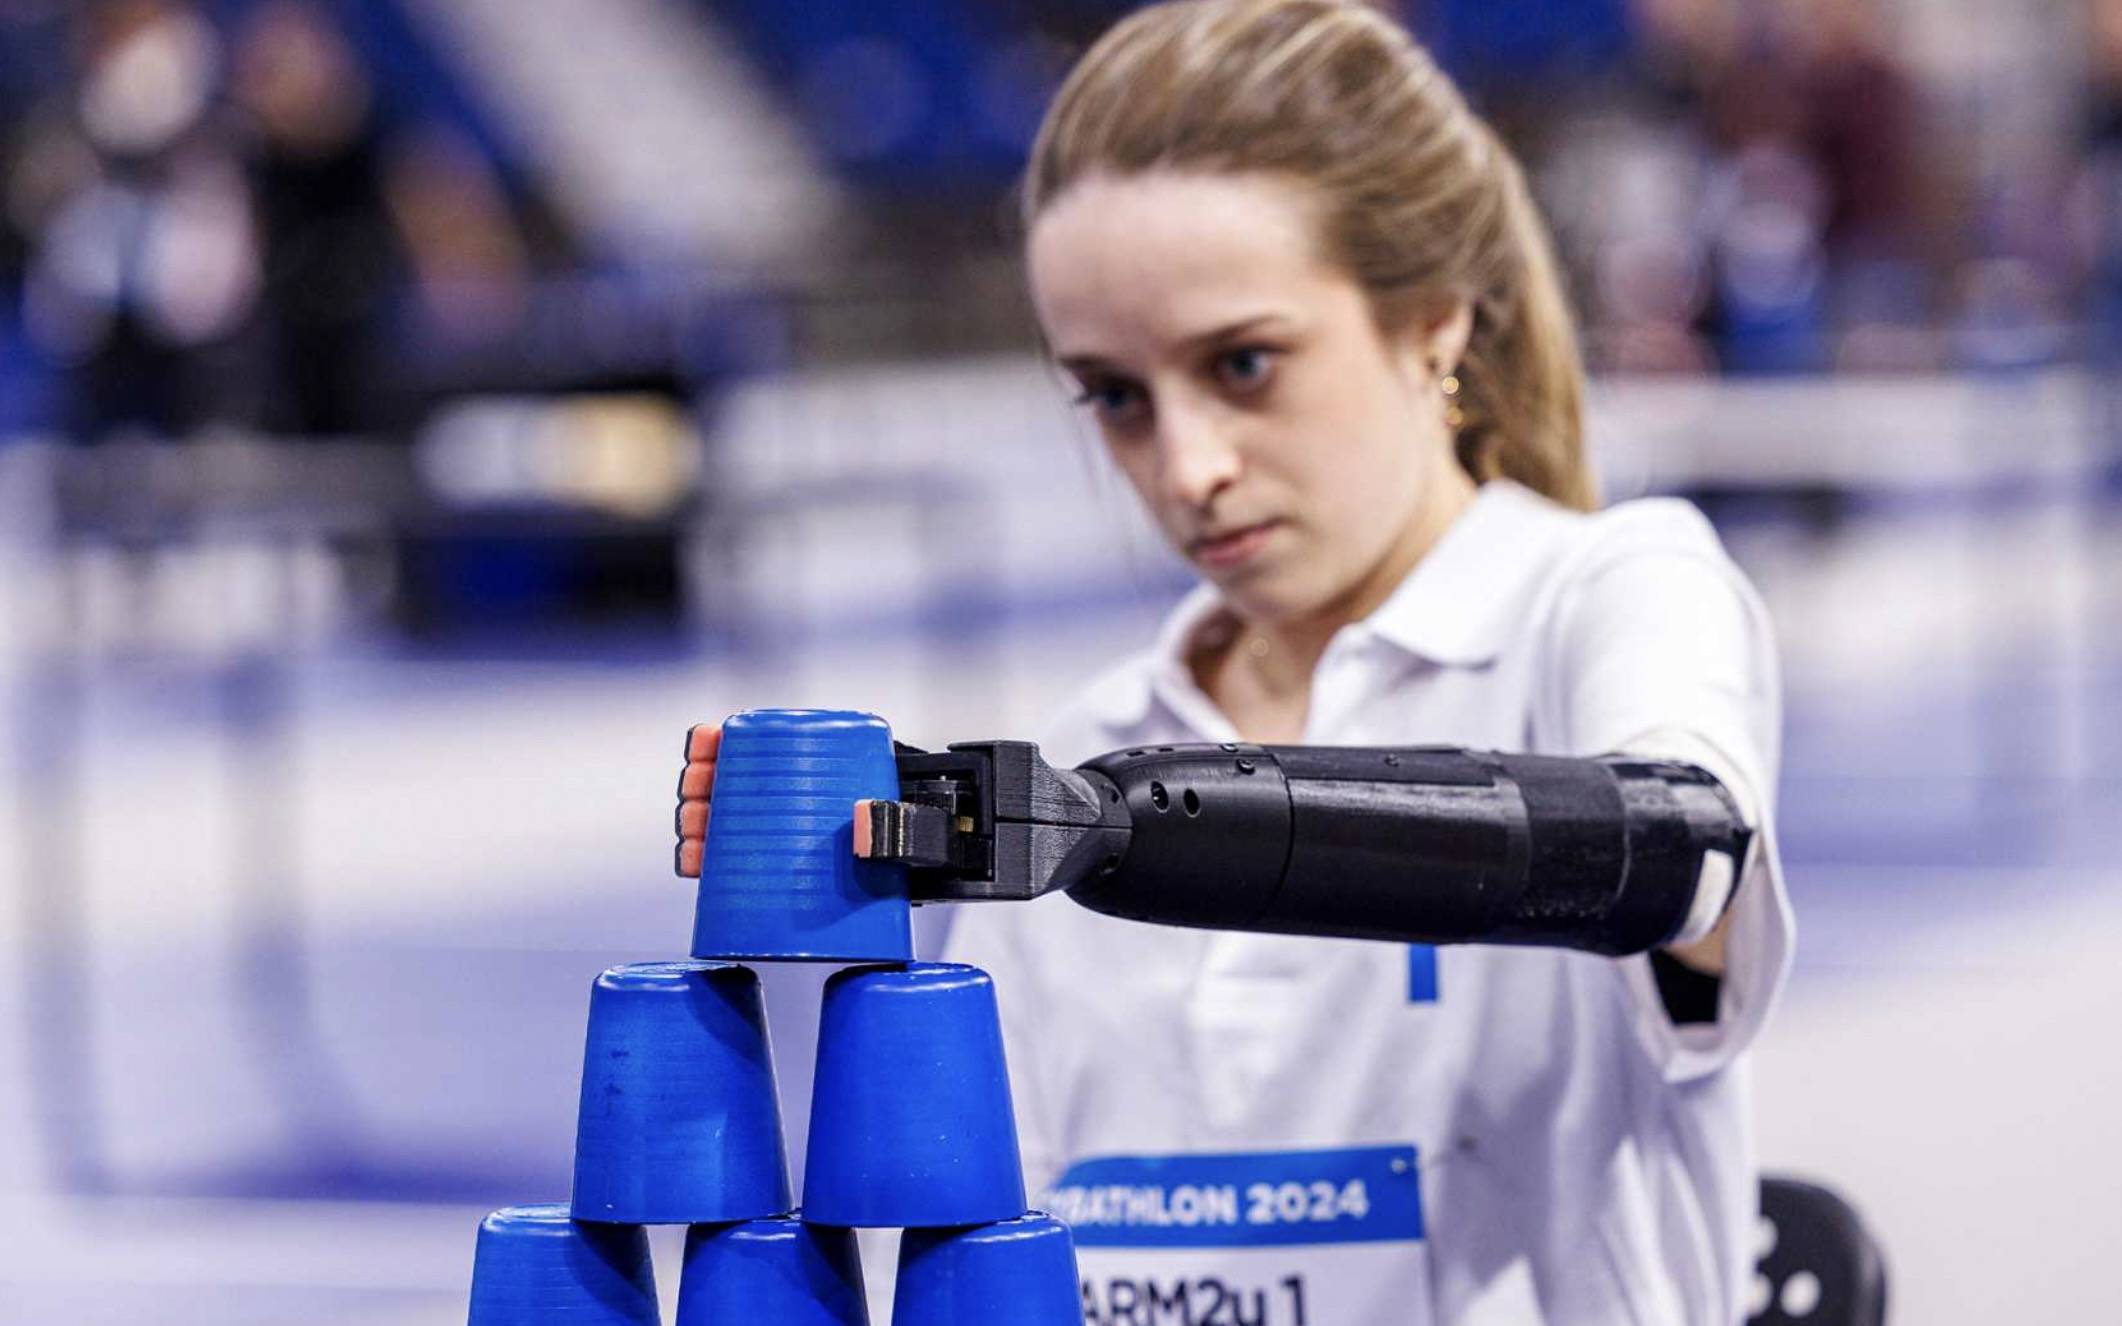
(1419, 200)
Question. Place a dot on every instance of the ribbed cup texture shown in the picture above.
(911, 1123)
(779, 878)
(679, 1122)
(535, 1267)
(780, 1271)
(1019, 1271)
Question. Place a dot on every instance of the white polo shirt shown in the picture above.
(1308, 1132)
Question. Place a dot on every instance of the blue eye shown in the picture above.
(1113, 399)
(1246, 368)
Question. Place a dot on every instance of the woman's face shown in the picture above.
(1289, 449)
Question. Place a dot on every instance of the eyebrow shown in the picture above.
(1228, 331)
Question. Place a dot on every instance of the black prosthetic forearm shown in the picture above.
(1426, 845)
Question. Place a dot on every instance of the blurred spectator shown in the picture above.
(32, 63)
(331, 258)
(2098, 199)
(201, 232)
(1796, 246)
(1859, 124)
(142, 260)
(2099, 182)
(1766, 211)
(1860, 135)
(469, 260)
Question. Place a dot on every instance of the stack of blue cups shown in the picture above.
(911, 1122)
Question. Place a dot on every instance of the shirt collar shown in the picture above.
(1458, 607)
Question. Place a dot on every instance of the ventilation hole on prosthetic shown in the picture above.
(1801, 1294)
(1158, 797)
(1193, 803)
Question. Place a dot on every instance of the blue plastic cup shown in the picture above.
(778, 876)
(534, 1267)
(781, 1271)
(1021, 1271)
(679, 1123)
(910, 1121)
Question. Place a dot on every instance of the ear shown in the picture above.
(1440, 336)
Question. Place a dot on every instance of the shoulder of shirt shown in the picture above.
(1658, 528)
(1569, 552)
(1668, 521)
(1658, 556)
(1652, 522)
(1658, 535)
(1513, 558)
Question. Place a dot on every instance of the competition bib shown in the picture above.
(1262, 1238)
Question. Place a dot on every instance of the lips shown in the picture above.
(1232, 548)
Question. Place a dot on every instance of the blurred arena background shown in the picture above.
(413, 413)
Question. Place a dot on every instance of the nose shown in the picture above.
(1197, 456)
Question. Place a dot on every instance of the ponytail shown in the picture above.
(1523, 384)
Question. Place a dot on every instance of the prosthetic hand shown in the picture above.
(1610, 855)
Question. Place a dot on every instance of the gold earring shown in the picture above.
(1454, 417)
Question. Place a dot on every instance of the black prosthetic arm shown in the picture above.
(1436, 846)
(1425, 844)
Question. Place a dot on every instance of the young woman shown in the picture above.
(1316, 318)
